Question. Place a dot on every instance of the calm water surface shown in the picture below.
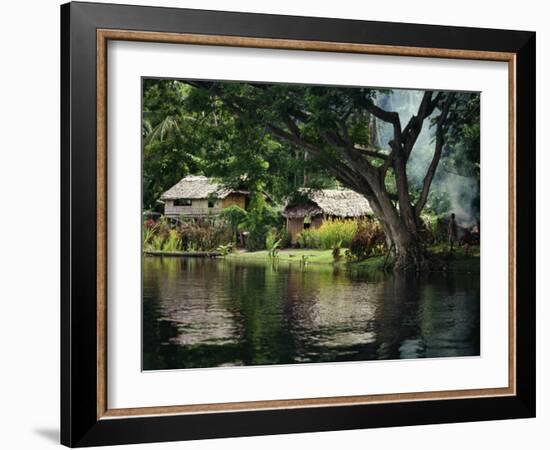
(214, 312)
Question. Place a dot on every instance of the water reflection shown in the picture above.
(212, 312)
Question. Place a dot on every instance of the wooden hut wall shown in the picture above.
(295, 226)
(234, 199)
(316, 222)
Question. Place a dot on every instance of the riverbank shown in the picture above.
(291, 255)
(182, 254)
(308, 256)
(459, 261)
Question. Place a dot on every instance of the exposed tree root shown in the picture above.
(416, 259)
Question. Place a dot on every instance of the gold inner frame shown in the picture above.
(104, 35)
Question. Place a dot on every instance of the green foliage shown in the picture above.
(308, 239)
(260, 219)
(225, 250)
(329, 234)
(188, 129)
(272, 244)
(281, 237)
(164, 132)
(148, 236)
(173, 242)
(461, 152)
(336, 251)
(198, 235)
(234, 215)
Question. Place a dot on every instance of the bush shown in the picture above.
(172, 243)
(258, 222)
(336, 252)
(369, 240)
(331, 233)
(273, 243)
(204, 234)
(309, 239)
(233, 215)
(225, 250)
(336, 232)
(156, 236)
(281, 235)
(191, 235)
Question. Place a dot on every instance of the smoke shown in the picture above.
(450, 192)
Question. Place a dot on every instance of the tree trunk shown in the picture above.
(409, 254)
(404, 240)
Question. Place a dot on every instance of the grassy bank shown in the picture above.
(312, 256)
(288, 255)
(459, 261)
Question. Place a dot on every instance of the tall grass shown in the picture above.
(332, 233)
(172, 242)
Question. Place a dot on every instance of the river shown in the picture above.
(223, 312)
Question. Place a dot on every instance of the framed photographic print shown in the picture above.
(276, 224)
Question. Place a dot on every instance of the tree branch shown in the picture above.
(387, 116)
(439, 140)
(369, 152)
(414, 127)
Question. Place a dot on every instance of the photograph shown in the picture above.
(292, 224)
(271, 225)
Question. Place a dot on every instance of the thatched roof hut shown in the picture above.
(198, 196)
(330, 202)
(318, 205)
(197, 187)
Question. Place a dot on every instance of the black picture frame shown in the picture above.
(80, 425)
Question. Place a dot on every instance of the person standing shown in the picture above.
(452, 232)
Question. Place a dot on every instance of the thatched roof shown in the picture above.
(197, 187)
(332, 202)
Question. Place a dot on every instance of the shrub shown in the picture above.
(336, 252)
(331, 233)
(258, 222)
(286, 239)
(172, 243)
(272, 244)
(274, 235)
(336, 231)
(148, 236)
(204, 234)
(234, 215)
(369, 240)
(225, 250)
(309, 239)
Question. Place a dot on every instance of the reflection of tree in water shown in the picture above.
(205, 313)
(395, 322)
(449, 316)
(429, 316)
(330, 314)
